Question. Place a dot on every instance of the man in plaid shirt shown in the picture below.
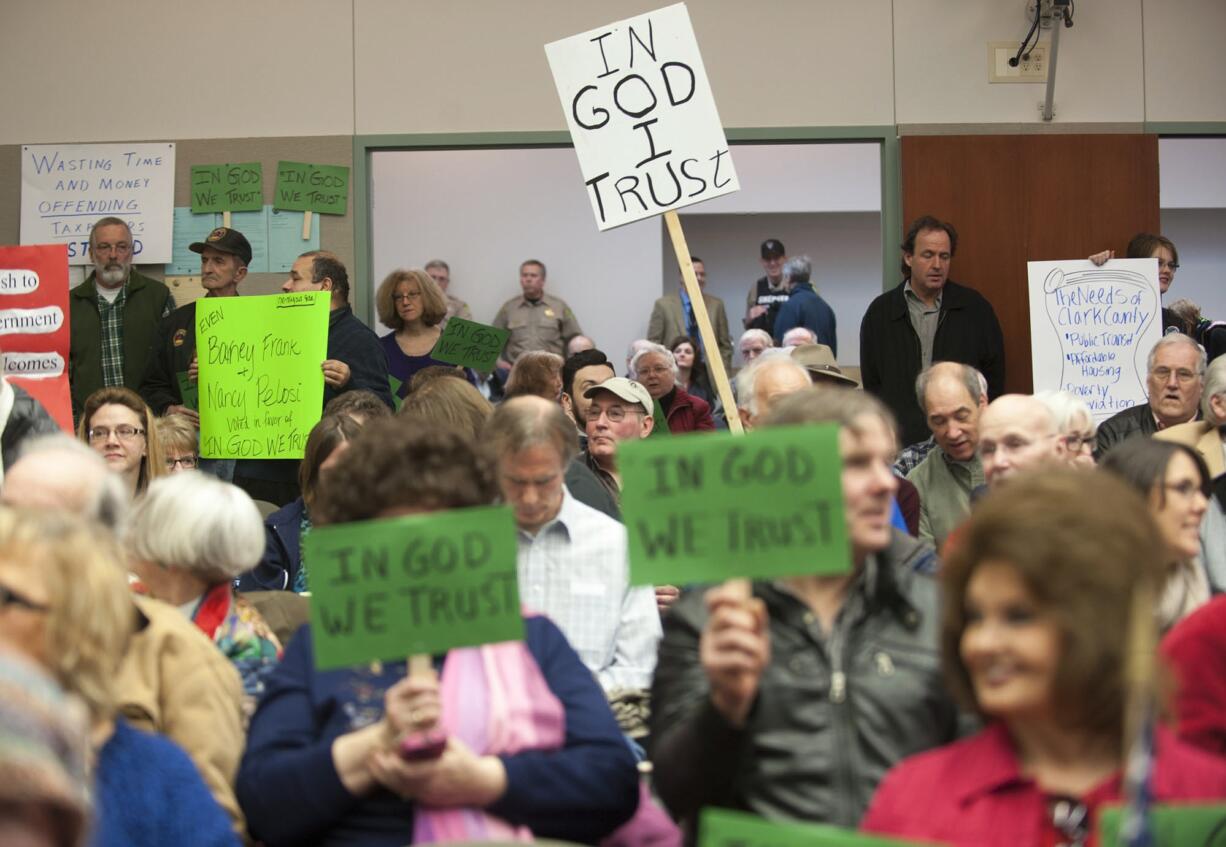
(113, 315)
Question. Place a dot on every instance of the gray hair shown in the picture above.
(109, 500)
(658, 349)
(760, 334)
(1065, 408)
(436, 263)
(747, 378)
(798, 270)
(1215, 386)
(810, 336)
(1177, 338)
(635, 346)
(109, 220)
(973, 381)
(197, 523)
(524, 422)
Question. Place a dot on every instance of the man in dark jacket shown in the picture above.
(794, 703)
(355, 360)
(927, 319)
(113, 316)
(805, 307)
(224, 257)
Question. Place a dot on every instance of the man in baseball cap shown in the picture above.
(224, 256)
(768, 294)
(621, 410)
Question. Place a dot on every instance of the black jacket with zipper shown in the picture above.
(833, 712)
(967, 332)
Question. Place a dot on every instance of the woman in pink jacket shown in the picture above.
(1035, 629)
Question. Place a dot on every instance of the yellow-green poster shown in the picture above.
(261, 387)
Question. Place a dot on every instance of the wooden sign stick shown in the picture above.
(420, 665)
(225, 219)
(723, 387)
(306, 225)
(710, 345)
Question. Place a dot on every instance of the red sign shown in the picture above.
(34, 324)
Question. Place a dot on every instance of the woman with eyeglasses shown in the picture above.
(1074, 424)
(413, 305)
(116, 423)
(180, 442)
(656, 368)
(1146, 245)
(1035, 633)
(1174, 481)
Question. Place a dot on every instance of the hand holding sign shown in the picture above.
(734, 650)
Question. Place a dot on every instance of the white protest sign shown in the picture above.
(65, 188)
(642, 117)
(1091, 329)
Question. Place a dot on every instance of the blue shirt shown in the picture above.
(290, 791)
(805, 308)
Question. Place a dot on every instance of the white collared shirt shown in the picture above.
(575, 570)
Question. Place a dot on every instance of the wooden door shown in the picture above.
(1020, 198)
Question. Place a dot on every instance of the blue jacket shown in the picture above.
(805, 308)
(291, 794)
(282, 555)
(149, 794)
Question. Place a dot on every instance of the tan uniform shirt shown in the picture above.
(456, 308)
(546, 324)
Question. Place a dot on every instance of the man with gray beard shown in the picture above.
(114, 316)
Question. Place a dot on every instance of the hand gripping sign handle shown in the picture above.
(709, 343)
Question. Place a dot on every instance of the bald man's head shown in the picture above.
(1017, 432)
(761, 384)
(58, 472)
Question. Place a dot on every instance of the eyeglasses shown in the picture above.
(188, 462)
(661, 370)
(1183, 374)
(1168, 266)
(1187, 489)
(9, 597)
(616, 414)
(404, 298)
(1078, 443)
(123, 432)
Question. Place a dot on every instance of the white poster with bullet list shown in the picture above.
(642, 116)
(1091, 329)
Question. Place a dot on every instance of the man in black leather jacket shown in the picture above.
(794, 704)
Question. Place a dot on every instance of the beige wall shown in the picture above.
(151, 69)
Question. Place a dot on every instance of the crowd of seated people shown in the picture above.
(1029, 606)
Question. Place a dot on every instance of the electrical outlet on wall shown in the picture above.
(1032, 69)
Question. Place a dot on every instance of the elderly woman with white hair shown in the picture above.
(656, 368)
(188, 538)
(1074, 423)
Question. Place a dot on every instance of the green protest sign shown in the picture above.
(228, 188)
(189, 391)
(1179, 825)
(706, 508)
(470, 345)
(261, 387)
(388, 589)
(722, 828)
(303, 187)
